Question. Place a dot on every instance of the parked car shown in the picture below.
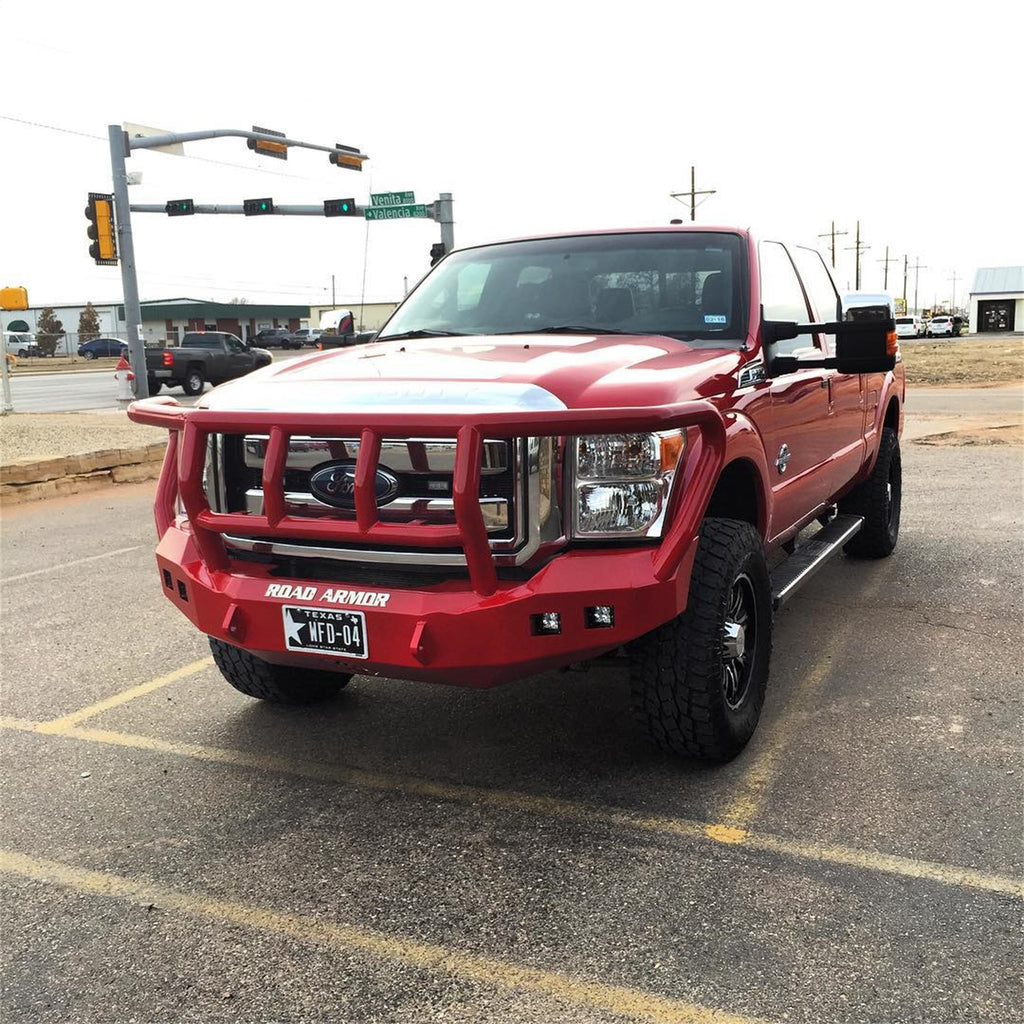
(275, 337)
(307, 336)
(101, 347)
(941, 325)
(909, 327)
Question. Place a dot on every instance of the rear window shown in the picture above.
(904, 319)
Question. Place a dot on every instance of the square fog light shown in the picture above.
(546, 624)
(600, 616)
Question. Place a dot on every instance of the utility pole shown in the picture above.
(693, 193)
(905, 258)
(952, 301)
(887, 261)
(832, 234)
(918, 267)
(858, 245)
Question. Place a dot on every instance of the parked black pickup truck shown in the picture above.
(202, 356)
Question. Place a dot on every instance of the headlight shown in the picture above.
(622, 482)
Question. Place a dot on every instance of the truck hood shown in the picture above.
(487, 374)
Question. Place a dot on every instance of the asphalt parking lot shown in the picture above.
(172, 851)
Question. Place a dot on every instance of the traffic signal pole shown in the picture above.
(126, 248)
(121, 146)
(446, 221)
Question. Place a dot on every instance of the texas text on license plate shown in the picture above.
(325, 630)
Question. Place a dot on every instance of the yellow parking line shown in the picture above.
(58, 725)
(755, 782)
(759, 777)
(510, 800)
(490, 972)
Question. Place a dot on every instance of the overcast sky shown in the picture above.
(536, 116)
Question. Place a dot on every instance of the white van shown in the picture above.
(19, 344)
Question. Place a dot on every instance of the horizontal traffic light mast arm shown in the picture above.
(153, 141)
(279, 209)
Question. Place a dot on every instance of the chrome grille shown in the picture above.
(520, 512)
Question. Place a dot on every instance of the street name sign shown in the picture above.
(395, 212)
(391, 198)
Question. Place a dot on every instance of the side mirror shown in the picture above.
(866, 339)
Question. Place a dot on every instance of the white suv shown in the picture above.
(941, 325)
(909, 327)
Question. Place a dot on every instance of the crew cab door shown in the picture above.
(846, 391)
(798, 433)
(238, 360)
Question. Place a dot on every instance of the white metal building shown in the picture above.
(997, 300)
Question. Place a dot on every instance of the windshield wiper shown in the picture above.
(421, 333)
(569, 329)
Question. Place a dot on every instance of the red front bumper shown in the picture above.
(474, 632)
(446, 633)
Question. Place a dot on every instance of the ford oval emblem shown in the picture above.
(334, 483)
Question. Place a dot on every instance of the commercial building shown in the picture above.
(164, 321)
(997, 300)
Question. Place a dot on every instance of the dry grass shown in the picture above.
(964, 361)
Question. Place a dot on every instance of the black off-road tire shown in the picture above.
(193, 382)
(276, 684)
(693, 690)
(153, 385)
(878, 499)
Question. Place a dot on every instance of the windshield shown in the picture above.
(686, 285)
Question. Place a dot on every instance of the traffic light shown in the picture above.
(346, 156)
(100, 213)
(340, 208)
(267, 148)
(13, 298)
(437, 250)
(179, 208)
(255, 207)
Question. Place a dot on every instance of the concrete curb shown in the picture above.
(34, 479)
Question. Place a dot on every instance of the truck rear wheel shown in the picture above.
(698, 682)
(878, 499)
(277, 684)
(193, 382)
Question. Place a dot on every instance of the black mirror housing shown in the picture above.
(865, 338)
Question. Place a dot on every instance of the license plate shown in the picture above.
(325, 631)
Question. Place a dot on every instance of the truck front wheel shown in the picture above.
(698, 682)
(276, 684)
(193, 382)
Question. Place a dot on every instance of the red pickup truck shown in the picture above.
(557, 449)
